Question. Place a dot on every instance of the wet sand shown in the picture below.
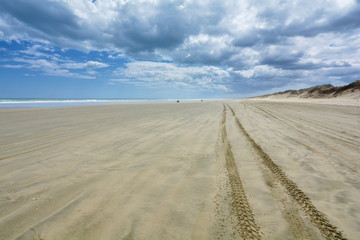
(202, 170)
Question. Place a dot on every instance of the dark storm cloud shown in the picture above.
(146, 26)
(316, 23)
(343, 22)
(164, 25)
(136, 26)
(288, 59)
(281, 57)
(163, 29)
(50, 18)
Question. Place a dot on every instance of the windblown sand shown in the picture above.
(205, 170)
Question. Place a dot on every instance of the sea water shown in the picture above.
(48, 102)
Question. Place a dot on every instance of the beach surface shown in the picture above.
(249, 169)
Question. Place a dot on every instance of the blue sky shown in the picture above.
(175, 48)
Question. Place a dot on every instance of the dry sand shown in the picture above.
(348, 100)
(210, 170)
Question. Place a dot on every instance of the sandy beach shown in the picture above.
(247, 169)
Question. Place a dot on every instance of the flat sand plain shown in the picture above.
(203, 170)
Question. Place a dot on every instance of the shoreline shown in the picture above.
(54, 103)
(65, 104)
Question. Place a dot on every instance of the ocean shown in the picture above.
(54, 102)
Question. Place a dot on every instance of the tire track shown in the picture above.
(246, 224)
(29, 151)
(262, 112)
(289, 210)
(349, 164)
(292, 126)
(318, 218)
(298, 228)
(314, 126)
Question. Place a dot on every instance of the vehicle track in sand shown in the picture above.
(316, 145)
(329, 133)
(298, 228)
(246, 225)
(316, 217)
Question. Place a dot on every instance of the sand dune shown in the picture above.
(210, 170)
(327, 91)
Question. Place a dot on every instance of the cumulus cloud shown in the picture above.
(88, 64)
(43, 59)
(168, 75)
(49, 20)
(149, 25)
(95, 64)
(292, 59)
(49, 67)
(262, 39)
(11, 66)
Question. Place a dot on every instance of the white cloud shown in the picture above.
(268, 43)
(11, 66)
(88, 64)
(95, 64)
(40, 51)
(169, 75)
(58, 67)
